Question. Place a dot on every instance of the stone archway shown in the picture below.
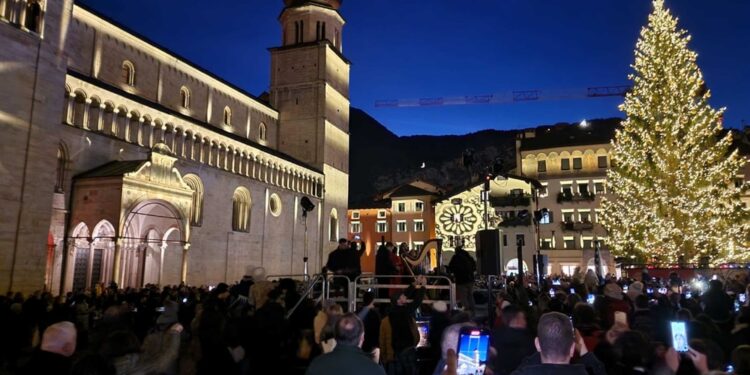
(152, 244)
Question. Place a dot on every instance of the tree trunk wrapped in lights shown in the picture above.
(673, 172)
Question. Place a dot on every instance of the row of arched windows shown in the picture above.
(128, 78)
(28, 14)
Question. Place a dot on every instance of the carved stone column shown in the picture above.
(183, 269)
(117, 262)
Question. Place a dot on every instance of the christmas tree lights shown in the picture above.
(672, 172)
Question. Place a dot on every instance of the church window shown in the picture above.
(185, 97)
(60, 172)
(227, 116)
(33, 19)
(196, 209)
(241, 210)
(262, 136)
(128, 73)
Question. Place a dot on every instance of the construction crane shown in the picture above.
(509, 97)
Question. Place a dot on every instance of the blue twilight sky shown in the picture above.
(405, 49)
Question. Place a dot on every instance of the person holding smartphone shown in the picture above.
(398, 331)
(557, 342)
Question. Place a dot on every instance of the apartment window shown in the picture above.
(599, 187)
(401, 207)
(569, 242)
(355, 215)
(585, 216)
(545, 243)
(381, 227)
(505, 240)
(565, 164)
(602, 161)
(516, 192)
(356, 227)
(587, 243)
(419, 225)
(577, 163)
(567, 189)
(417, 245)
(567, 216)
(541, 166)
(543, 190)
(520, 240)
(381, 214)
(739, 181)
(401, 226)
(419, 206)
(583, 188)
(546, 218)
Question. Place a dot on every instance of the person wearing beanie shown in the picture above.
(634, 290)
(613, 302)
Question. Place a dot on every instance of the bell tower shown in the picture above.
(310, 89)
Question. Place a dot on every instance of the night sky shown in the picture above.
(405, 49)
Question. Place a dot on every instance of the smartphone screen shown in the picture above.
(688, 295)
(473, 348)
(552, 293)
(590, 299)
(572, 291)
(742, 297)
(663, 291)
(649, 290)
(679, 336)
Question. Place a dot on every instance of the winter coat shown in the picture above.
(462, 265)
(344, 360)
(154, 360)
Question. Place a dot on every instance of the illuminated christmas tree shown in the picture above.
(673, 173)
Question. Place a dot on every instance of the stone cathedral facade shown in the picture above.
(121, 161)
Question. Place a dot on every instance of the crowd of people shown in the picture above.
(581, 324)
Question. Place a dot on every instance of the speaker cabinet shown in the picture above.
(488, 252)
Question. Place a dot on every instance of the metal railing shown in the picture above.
(358, 285)
(318, 288)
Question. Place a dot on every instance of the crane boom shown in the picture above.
(509, 97)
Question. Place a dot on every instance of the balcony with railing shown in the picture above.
(516, 222)
(568, 196)
(511, 200)
(576, 225)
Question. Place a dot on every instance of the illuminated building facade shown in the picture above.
(122, 161)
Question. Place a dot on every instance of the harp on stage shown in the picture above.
(429, 257)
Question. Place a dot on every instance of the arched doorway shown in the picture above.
(81, 250)
(148, 256)
(591, 265)
(511, 268)
(102, 253)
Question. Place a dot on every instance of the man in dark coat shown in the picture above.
(463, 266)
(557, 341)
(403, 327)
(512, 341)
(53, 356)
(347, 358)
